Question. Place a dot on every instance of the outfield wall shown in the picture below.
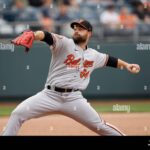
(22, 74)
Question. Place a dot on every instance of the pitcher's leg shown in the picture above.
(82, 112)
(35, 106)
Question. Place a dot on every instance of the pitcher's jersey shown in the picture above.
(71, 66)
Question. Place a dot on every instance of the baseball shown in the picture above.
(135, 70)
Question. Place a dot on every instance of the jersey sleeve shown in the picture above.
(59, 42)
(101, 60)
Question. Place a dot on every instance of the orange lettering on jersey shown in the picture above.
(84, 73)
(88, 64)
(71, 61)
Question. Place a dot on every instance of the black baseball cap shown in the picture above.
(83, 23)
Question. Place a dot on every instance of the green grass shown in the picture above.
(6, 111)
(134, 107)
(140, 108)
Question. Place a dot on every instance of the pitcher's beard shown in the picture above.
(79, 39)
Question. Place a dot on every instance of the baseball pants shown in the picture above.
(71, 104)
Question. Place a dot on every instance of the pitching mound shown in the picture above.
(129, 123)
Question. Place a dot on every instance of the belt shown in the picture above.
(61, 89)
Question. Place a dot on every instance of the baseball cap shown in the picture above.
(83, 23)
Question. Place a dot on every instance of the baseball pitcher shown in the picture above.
(71, 65)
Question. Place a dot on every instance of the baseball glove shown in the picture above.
(25, 39)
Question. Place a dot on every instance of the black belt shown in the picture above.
(61, 89)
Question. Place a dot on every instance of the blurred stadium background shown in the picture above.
(113, 20)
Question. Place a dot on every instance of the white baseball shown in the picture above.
(135, 70)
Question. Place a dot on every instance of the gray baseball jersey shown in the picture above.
(70, 67)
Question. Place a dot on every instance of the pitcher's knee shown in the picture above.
(19, 114)
(96, 125)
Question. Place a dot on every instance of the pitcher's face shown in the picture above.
(80, 34)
